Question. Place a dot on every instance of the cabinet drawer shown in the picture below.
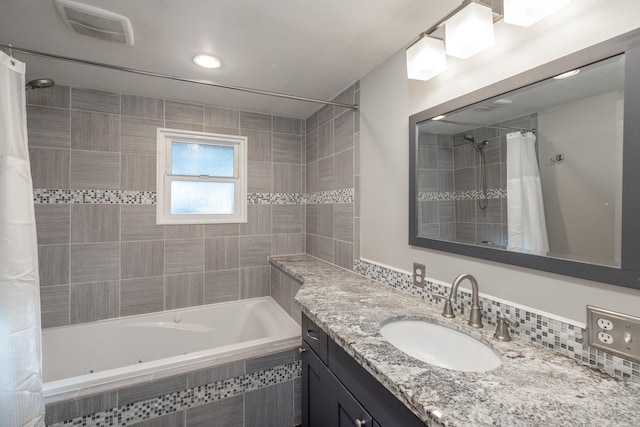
(315, 337)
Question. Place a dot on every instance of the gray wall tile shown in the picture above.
(94, 262)
(287, 178)
(183, 231)
(287, 125)
(312, 178)
(325, 249)
(137, 172)
(139, 223)
(325, 220)
(184, 113)
(183, 290)
(54, 96)
(63, 411)
(269, 361)
(48, 127)
(464, 179)
(94, 170)
(311, 153)
(52, 224)
(258, 145)
(221, 286)
(138, 135)
(53, 264)
(344, 254)
(221, 117)
(312, 219)
(259, 177)
(49, 167)
(254, 251)
(255, 121)
(151, 389)
(219, 230)
(198, 127)
(227, 412)
(312, 122)
(184, 256)
(140, 106)
(95, 131)
(258, 220)
(54, 301)
(93, 301)
(286, 219)
(222, 130)
(325, 174)
(270, 406)
(221, 253)
(142, 259)
(95, 223)
(95, 100)
(287, 148)
(143, 295)
(343, 172)
(343, 131)
(177, 419)
(286, 244)
(215, 374)
(325, 140)
(255, 282)
(343, 221)
(325, 114)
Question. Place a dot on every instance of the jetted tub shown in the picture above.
(85, 359)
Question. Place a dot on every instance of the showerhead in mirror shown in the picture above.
(39, 84)
(477, 145)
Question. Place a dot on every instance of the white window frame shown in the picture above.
(164, 178)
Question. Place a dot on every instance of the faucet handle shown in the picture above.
(502, 328)
(441, 296)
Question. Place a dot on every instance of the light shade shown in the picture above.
(527, 12)
(469, 31)
(426, 59)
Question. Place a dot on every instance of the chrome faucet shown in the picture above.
(475, 316)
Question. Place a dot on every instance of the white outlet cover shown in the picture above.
(605, 324)
(605, 337)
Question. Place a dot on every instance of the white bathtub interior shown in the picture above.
(80, 360)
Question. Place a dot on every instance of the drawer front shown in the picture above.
(315, 337)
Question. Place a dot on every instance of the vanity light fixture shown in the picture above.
(426, 58)
(567, 74)
(207, 61)
(469, 31)
(525, 13)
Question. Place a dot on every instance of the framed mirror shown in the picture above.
(540, 170)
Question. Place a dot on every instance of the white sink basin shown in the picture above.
(440, 346)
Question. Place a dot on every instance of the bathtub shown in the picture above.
(86, 359)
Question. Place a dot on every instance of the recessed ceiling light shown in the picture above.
(207, 61)
(440, 117)
(567, 74)
(503, 101)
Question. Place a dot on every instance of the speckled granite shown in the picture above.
(532, 387)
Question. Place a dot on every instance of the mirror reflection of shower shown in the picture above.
(483, 201)
(39, 84)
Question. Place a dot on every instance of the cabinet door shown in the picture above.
(318, 385)
(350, 412)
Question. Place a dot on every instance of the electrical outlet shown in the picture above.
(418, 275)
(614, 332)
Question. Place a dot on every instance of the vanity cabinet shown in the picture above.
(338, 392)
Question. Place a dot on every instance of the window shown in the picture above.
(201, 178)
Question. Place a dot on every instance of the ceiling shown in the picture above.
(307, 48)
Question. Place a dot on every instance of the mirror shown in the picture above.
(537, 170)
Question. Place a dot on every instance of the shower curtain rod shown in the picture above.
(12, 49)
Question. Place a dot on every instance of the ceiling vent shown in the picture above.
(95, 22)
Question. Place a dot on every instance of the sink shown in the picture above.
(440, 346)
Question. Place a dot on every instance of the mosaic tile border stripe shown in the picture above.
(65, 196)
(190, 398)
(345, 195)
(555, 334)
(492, 193)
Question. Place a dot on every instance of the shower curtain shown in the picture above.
(525, 209)
(21, 400)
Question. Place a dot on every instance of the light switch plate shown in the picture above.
(418, 275)
(615, 333)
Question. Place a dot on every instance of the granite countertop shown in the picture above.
(533, 387)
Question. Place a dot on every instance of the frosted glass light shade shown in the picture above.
(527, 12)
(426, 59)
(469, 31)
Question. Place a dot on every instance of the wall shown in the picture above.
(388, 99)
(101, 253)
(331, 181)
(582, 193)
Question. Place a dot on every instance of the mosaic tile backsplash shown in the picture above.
(558, 335)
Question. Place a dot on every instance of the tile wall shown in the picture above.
(332, 177)
(101, 253)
